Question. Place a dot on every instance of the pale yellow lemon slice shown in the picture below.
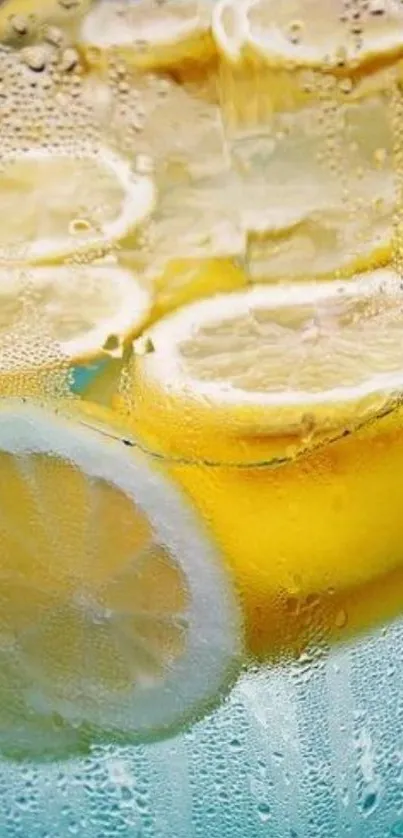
(318, 193)
(56, 202)
(116, 613)
(158, 121)
(277, 408)
(149, 34)
(267, 46)
(309, 32)
(88, 310)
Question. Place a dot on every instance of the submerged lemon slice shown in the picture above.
(86, 309)
(279, 408)
(149, 34)
(116, 614)
(56, 202)
(333, 213)
(278, 56)
(253, 370)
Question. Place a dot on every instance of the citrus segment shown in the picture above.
(130, 625)
(313, 33)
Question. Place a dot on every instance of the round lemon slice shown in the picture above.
(246, 373)
(117, 615)
(312, 33)
(280, 408)
(56, 202)
(333, 213)
(279, 55)
(149, 34)
(88, 310)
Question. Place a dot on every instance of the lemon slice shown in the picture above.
(116, 612)
(57, 202)
(87, 309)
(312, 33)
(280, 55)
(334, 212)
(280, 408)
(149, 34)
(253, 370)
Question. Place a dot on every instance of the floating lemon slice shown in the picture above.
(333, 213)
(88, 310)
(58, 202)
(266, 45)
(116, 615)
(280, 409)
(312, 33)
(253, 370)
(149, 34)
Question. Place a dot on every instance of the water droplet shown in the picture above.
(264, 811)
(341, 618)
(397, 829)
(370, 803)
(79, 225)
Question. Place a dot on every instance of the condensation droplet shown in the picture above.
(264, 811)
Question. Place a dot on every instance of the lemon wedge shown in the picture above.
(149, 34)
(117, 615)
(278, 409)
(88, 310)
(56, 202)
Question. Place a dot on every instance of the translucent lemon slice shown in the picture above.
(268, 46)
(87, 309)
(117, 614)
(149, 34)
(280, 408)
(310, 33)
(333, 212)
(59, 201)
